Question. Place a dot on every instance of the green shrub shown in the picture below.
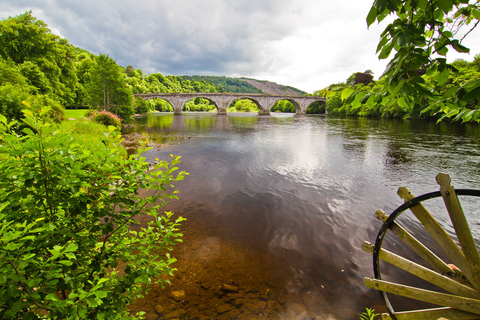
(13, 98)
(106, 118)
(70, 245)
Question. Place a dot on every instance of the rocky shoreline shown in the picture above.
(227, 301)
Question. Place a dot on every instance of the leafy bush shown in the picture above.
(12, 98)
(106, 118)
(70, 247)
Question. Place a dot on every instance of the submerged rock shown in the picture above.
(229, 288)
(159, 309)
(178, 296)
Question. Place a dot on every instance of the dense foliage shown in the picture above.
(418, 81)
(42, 58)
(369, 99)
(70, 246)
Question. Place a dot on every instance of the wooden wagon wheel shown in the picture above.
(461, 279)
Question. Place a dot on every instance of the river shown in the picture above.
(278, 207)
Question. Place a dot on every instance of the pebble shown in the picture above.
(159, 309)
(229, 288)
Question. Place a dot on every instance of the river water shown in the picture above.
(278, 207)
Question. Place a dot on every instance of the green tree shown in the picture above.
(106, 88)
(69, 246)
(47, 60)
(140, 106)
(83, 64)
(421, 35)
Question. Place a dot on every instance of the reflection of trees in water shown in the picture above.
(160, 121)
(243, 122)
(200, 122)
(355, 133)
(397, 155)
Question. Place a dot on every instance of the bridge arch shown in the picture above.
(317, 107)
(163, 106)
(186, 105)
(254, 101)
(277, 103)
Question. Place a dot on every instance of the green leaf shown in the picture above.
(468, 116)
(474, 94)
(51, 297)
(443, 76)
(372, 16)
(101, 294)
(72, 246)
(470, 85)
(402, 103)
(346, 93)
(458, 47)
(387, 49)
(445, 5)
(450, 92)
(476, 14)
(380, 5)
(382, 42)
(93, 302)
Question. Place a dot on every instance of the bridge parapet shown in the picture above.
(222, 101)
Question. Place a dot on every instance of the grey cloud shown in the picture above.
(177, 36)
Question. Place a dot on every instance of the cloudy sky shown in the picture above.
(307, 44)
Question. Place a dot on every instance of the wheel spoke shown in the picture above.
(428, 256)
(437, 298)
(424, 273)
(462, 229)
(438, 233)
(432, 314)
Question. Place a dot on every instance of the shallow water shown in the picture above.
(279, 206)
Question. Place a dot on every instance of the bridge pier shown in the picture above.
(263, 112)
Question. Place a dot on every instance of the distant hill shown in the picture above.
(246, 85)
(274, 88)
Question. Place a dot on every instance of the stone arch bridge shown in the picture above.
(222, 101)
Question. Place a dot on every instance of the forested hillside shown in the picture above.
(236, 85)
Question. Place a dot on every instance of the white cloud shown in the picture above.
(307, 44)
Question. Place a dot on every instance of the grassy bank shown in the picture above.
(75, 113)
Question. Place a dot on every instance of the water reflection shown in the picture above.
(283, 203)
